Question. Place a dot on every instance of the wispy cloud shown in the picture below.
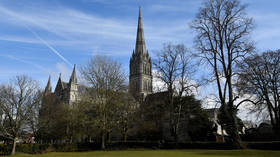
(266, 33)
(49, 46)
(70, 23)
(88, 30)
(39, 67)
(22, 18)
(19, 39)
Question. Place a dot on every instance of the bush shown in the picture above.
(32, 148)
(264, 145)
(74, 147)
(65, 147)
(24, 148)
(42, 148)
(88, 146)
(170, 145)
(199, 145)
(190, 145)
(5, 149)
(132, 145)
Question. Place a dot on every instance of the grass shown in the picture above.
(161, 153)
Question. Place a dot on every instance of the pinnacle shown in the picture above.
(48, 88)
(73, 77)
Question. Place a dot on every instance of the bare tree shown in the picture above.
(18, 102)
(222, 39)
(174, 68)
(260, 77)
(127, 108)
(107, 79)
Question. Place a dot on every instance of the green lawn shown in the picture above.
(162, 153)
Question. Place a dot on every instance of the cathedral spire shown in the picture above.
(140, 41)
(73, 78)
(140, 66)
(48, 88)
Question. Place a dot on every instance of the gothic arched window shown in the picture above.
(146, 85)
(136, 87)
(145, 69)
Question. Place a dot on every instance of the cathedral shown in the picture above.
(66, 92)
(140, 87)
(140, 74)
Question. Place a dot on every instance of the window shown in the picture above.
(136, 85)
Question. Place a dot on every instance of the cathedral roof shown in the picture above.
(64, 85)
(59, 84)
(159, 97)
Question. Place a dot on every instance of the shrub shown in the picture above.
(32, 148)
(5, 149)
(66, 147)
(132, 145)
(264, 145)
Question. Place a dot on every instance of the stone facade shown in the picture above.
(140, 66)
(66, 92)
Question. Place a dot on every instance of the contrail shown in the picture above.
(26, 62)
(49, 46)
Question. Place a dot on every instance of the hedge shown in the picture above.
(274, 145)
(5, 149)
(25, 148)
(74, 147)
(158, 145)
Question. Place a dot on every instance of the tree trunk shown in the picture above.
(125, 137)
(14, 146)
(234, 133)
(178, 122)
(176, 136)
(109, 137)
(235, 136)
(103, 141)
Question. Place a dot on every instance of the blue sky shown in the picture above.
(40, 38)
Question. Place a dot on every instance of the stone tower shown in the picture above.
(140, 66)
(73, 87)
(48, 88)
